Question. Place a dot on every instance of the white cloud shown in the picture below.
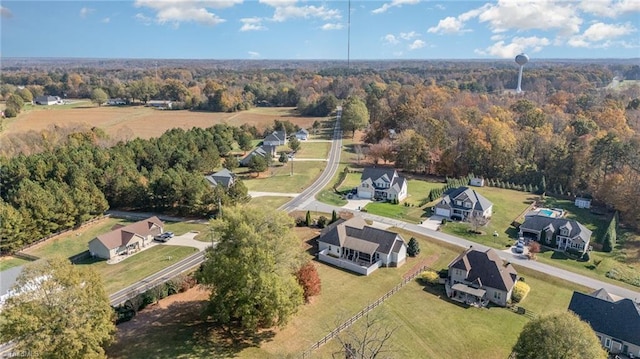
(253, 54)
(518, 45)
(448, 25)
(177, 11)
(497, 37)
(417, 44)
(252, 24)
(531, 15)
(394, 3)
(598, 32)
(85, 11)
(332, 26)
(390, 39)
(106, 20)
(143, 19)
(283, 13)
(609, 8)
(5, 13)
(408, 35)
(439, 7)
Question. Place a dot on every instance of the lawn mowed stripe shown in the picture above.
(10, 262)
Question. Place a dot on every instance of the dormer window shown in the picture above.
(458, 203)
(467, 204)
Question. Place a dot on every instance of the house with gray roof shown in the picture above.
(302, 134)
(355, 246)
(266, 151)
(277, 138)
(224, 177)
(127, 239)
(561, 233)
(615, 320)
(479, 277)
(47, 100)
(382, 183)
(463, 202)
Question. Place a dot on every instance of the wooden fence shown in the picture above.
(363, 312)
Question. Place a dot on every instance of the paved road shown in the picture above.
(511, 257)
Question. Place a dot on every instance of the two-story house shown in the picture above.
(479, 277)
(382, 183)
(564, 234)
(277, 138)
(224, 178)
(461, 203)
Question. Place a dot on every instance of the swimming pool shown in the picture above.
(547, 212)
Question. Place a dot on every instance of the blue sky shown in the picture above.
(290, 29)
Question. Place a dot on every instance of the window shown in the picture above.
(467, 204)
(496, 295)
(458, 203)
(607, 343)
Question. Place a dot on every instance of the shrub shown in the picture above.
(300, 222)
(10, 112)
(322, 221)
(520, 291)
(585, 257)
(429, 277)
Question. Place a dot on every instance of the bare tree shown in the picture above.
(477, 222)
(369, 339)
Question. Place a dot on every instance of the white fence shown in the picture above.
(347, 264)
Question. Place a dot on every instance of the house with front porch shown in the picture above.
(355, 246)
(615, 320)
(382, 183)
(126, 240)
(478, 277)
(561, 233)
(462, 203)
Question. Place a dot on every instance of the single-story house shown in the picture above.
(615, 320)
(353, 245)
(302, 134)
(582, 202)
(277, 138)
(479, 277)
(127, 239)
(462, 203)
(116, 101)
(264, 151)
(160, 104)
(223, 177)
(476, 182)
(564, 234)
(382, 183)
(47, 100)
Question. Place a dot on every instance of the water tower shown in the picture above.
(521, 60)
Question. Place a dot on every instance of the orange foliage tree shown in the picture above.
(309, 280)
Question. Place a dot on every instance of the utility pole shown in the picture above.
(291, 167)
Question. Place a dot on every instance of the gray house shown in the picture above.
(266, 151)
(564, 234)
(127, 239)
(353, 245)
(302, 134)
(277, 138)
(47, 100)
(615, 320)
(462, 203)
(382, 183)
(477, 278)
(224, 177)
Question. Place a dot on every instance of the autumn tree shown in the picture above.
(558, 335)
(355, 115)
(58, 311)
(98, 96)
(251, 272)
(534, 249)
(309, 280)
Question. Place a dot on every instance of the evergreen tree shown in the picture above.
(307, 219)
(334, 216)
(413, 248)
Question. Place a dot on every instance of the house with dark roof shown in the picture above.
(354, 245)
(127, 239)
(561, 233)
(463, 202)
(382, 183)
(277, 138)
(266, 151)
(479, 277)
(615, 320)
(224, 177)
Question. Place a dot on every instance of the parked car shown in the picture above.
(163, 237)
(519, 247)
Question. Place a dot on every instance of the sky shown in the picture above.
(307, 30)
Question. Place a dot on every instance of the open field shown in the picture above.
(120, 275)
(269, 202)
(313, 150)
(10, 262)
(278, 178)
(126, 122)
(426, 321)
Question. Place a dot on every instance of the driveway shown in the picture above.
(432, 223)
(187, 241)
(356, 204)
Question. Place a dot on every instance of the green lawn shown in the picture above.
(180, 228)
(269, 202)
(396, 211)
(418, 190)
(143, 264)
(313, 150)
(10, 262)
(278, 178)
(74, 242)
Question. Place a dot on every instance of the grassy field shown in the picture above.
(180, 228)
(426, 321)
(120, 275)
(418, 191)
(278, 179)
(10, 262)
(269, 202)
(126, 122)
(313, 150)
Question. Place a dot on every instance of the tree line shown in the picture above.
(63, 187)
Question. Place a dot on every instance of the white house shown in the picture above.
(382, 183)
(462, 203)
(47, 100)
(353, 245)
(581, 202)
(277, 138)
(302, 134)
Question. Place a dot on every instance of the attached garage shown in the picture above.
(443, 212)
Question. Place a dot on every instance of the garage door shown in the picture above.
(443, 212)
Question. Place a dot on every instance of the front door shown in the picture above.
(625, 349)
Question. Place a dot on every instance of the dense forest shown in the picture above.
(568, 133)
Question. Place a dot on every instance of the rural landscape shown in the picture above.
(320, 208)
